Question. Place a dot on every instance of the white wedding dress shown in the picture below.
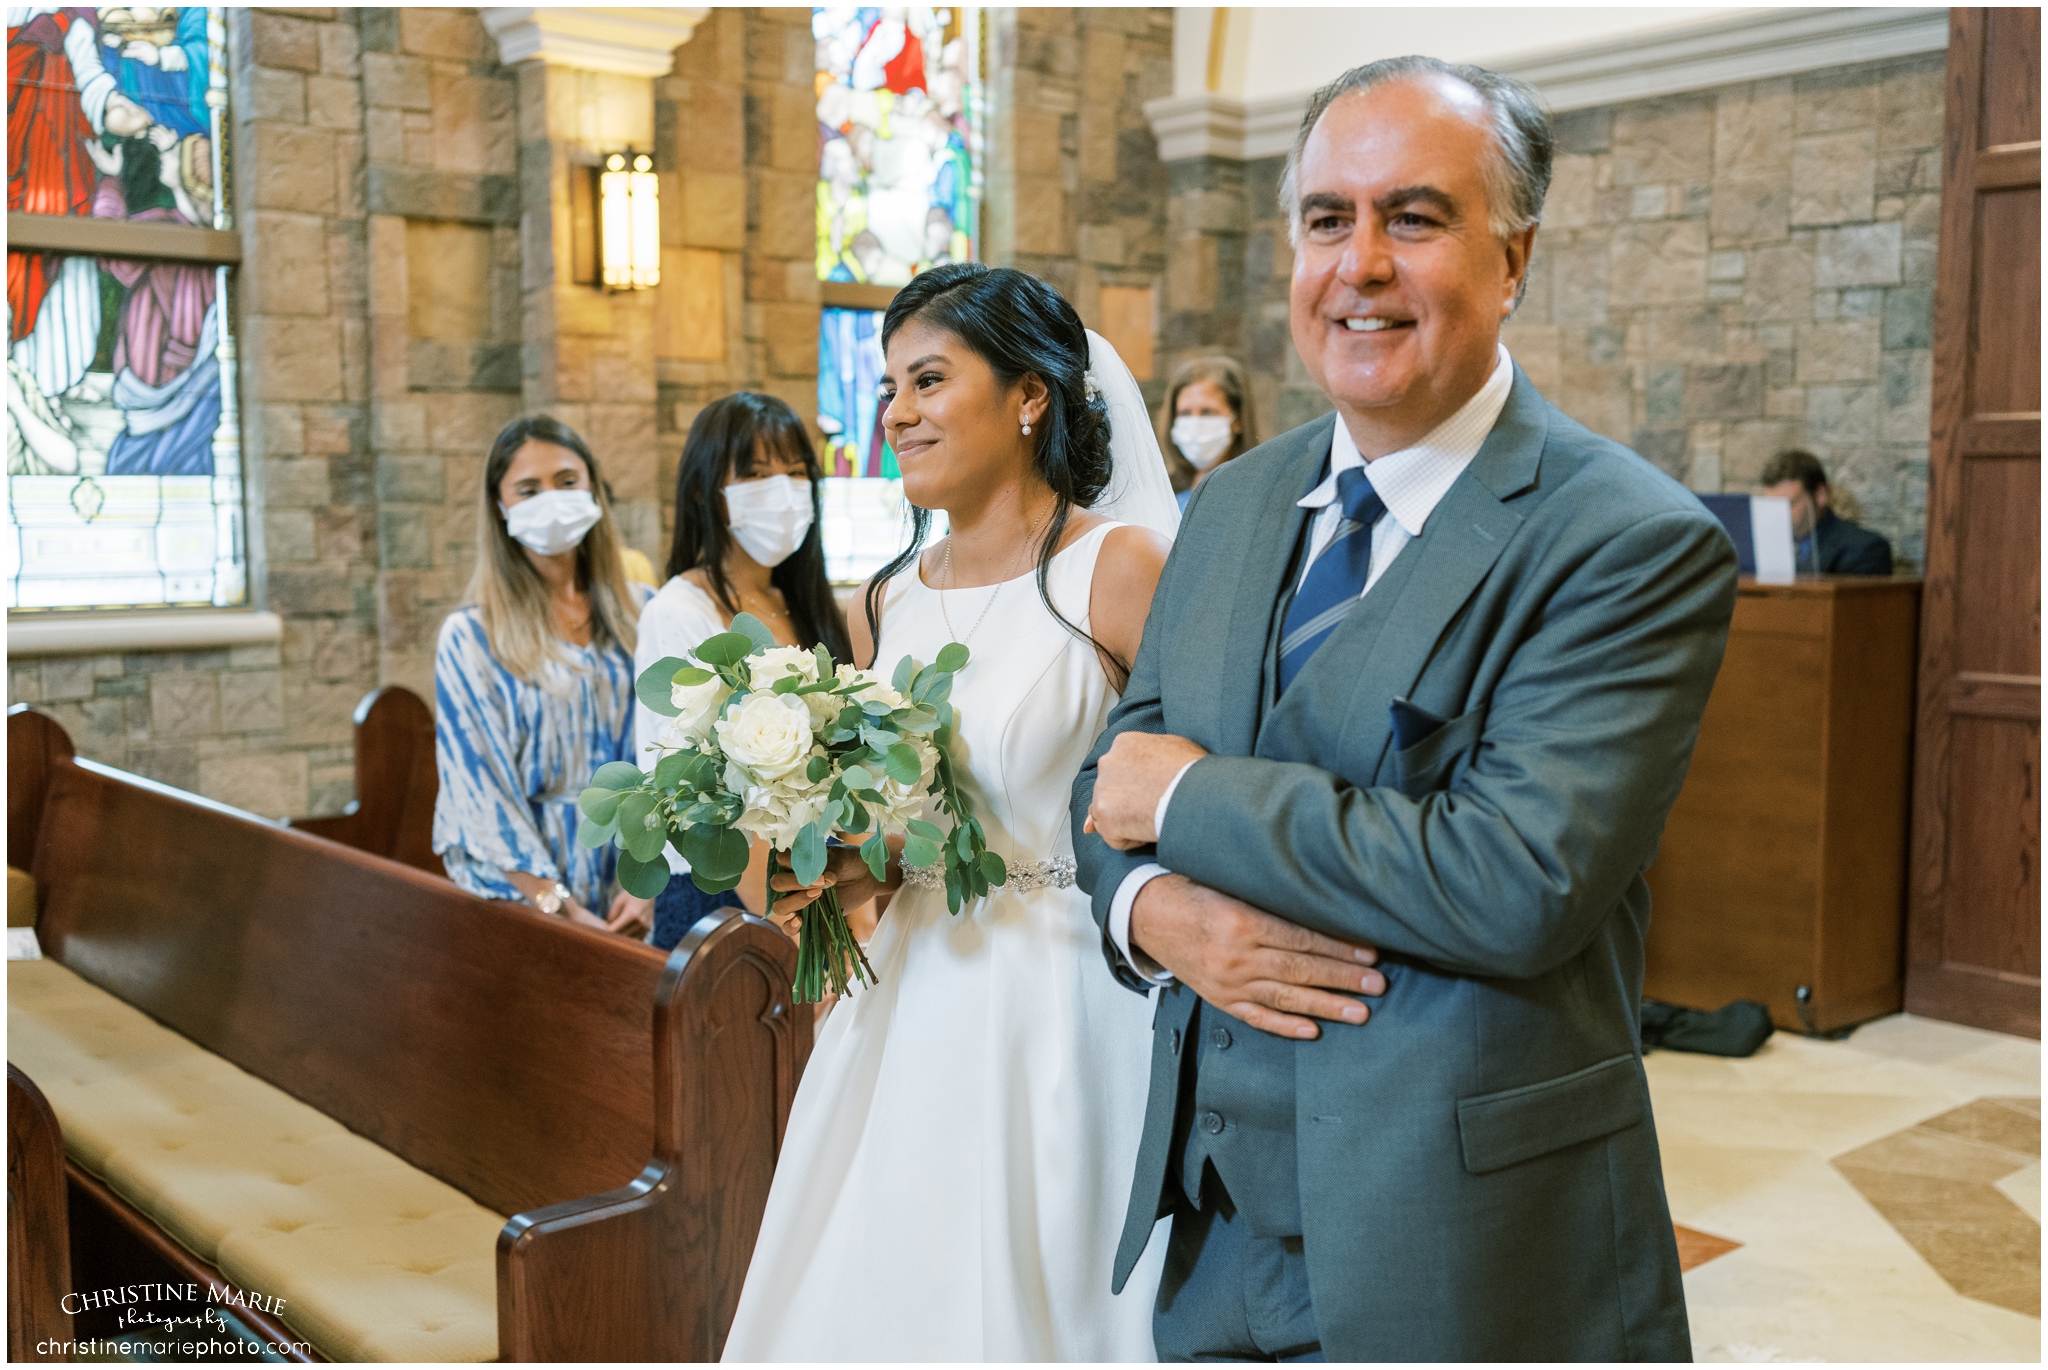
(960, 1153)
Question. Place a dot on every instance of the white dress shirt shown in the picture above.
(1411, 482)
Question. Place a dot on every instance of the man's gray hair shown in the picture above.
(1517, 171)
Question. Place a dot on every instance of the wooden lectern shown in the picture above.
(1783, 865)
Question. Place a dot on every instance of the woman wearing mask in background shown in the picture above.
(533, 681)
(1206, 422)
(746, 541)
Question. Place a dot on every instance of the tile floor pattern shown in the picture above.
(1820, 1271)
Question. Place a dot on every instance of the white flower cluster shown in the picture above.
(768, 741)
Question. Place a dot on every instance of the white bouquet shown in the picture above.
(788, 746)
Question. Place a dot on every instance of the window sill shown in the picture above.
(92, 634)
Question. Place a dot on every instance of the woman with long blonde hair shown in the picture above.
(533, 681)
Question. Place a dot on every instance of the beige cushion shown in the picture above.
(375, 1259)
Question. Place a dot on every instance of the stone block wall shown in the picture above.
(1077, 194)
(1719, 275)
(1724, 274)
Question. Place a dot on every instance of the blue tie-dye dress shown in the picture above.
(513, 756)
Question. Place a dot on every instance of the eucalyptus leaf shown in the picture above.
(938, 692)
(906, 671)
(952, 657)
(617, 775)
(963, 841)
(875, 852)
(817, 770)
(914, 721)
(856, 778)
(756, 632)
(807, 854)
(653, 686)
(599, 805)
(875, 708)
(920, 828)
(993, 870)
(670, 770)
(690, 675)
(643, 879)
(589, 834)
(726, 649)
(719, 852)
(919, 851)
(904, 765)
(856, 819)
(710, 886)
(824, 660)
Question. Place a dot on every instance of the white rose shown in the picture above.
(771, 665)
(697, 709)
(877, 689)
(769, 735)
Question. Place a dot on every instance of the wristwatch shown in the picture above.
(554, 898)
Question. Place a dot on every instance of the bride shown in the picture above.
(954, 1175)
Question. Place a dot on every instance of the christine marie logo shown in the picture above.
(134, 1301)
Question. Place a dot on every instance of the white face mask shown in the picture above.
(770, 517)
(1202, 439)
(553, 521)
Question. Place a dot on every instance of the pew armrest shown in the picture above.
(653, 1270)
(38, 1228)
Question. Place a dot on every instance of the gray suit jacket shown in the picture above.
(1478, 1167)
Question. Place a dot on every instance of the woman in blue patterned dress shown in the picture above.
(533, 682)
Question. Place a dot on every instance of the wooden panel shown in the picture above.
(2006, 346)
(1973, 944)
(500, 1050)
(38, 1231)
(35, 744)
(1126, 317)
(1994, 805)
(690, 305)
(2011, 101)
(1784, 860)
(1999, 552)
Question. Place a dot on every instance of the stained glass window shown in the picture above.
(899, 109)
(124, 471)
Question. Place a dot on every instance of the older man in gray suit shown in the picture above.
(1419, 686)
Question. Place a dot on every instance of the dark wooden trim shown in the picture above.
(2000, 435)
(159, 1244)
(38, 1232)
(118, 238)
(854, 295)
(2008, 166)
(1994, 696)
(1975, 997)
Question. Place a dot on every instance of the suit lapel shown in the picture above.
(1262, 584)
(1381, 648)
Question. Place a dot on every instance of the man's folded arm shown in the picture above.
(1583, 749)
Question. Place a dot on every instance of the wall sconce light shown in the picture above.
(629, 216)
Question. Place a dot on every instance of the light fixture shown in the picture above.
(629, 213)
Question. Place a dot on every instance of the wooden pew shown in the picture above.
(38, 1237)
(396, 782)
(620, 1108)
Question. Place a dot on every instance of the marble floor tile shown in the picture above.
(1821, 1273)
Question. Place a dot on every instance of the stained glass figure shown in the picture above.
(899, 129)
(124, 476)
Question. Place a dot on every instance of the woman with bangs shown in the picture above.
(747, 540)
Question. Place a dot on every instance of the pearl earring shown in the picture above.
(1027, 428)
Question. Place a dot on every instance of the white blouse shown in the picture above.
(674, 623)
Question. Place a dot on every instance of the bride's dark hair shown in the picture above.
(1020, 326)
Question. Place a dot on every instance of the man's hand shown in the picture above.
(1129, 779)
(1271, 973)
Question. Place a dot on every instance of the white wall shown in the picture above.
(1289, 51)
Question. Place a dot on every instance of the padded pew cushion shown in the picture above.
(376, 1260)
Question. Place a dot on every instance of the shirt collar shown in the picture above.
(1412, 480)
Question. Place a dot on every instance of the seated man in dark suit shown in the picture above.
(1846, 548)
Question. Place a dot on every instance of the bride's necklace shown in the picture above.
(946, 580)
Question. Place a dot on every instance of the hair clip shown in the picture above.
(1089, 387)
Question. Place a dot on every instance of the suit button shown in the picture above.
(1173, 1041)
(1220, 1039)
(1212, 1123)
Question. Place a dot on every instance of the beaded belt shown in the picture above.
(1025, 876)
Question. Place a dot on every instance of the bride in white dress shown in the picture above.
(958, 1159)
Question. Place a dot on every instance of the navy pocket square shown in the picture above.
(1411, 723)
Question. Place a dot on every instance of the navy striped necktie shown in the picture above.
(1337, 578)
